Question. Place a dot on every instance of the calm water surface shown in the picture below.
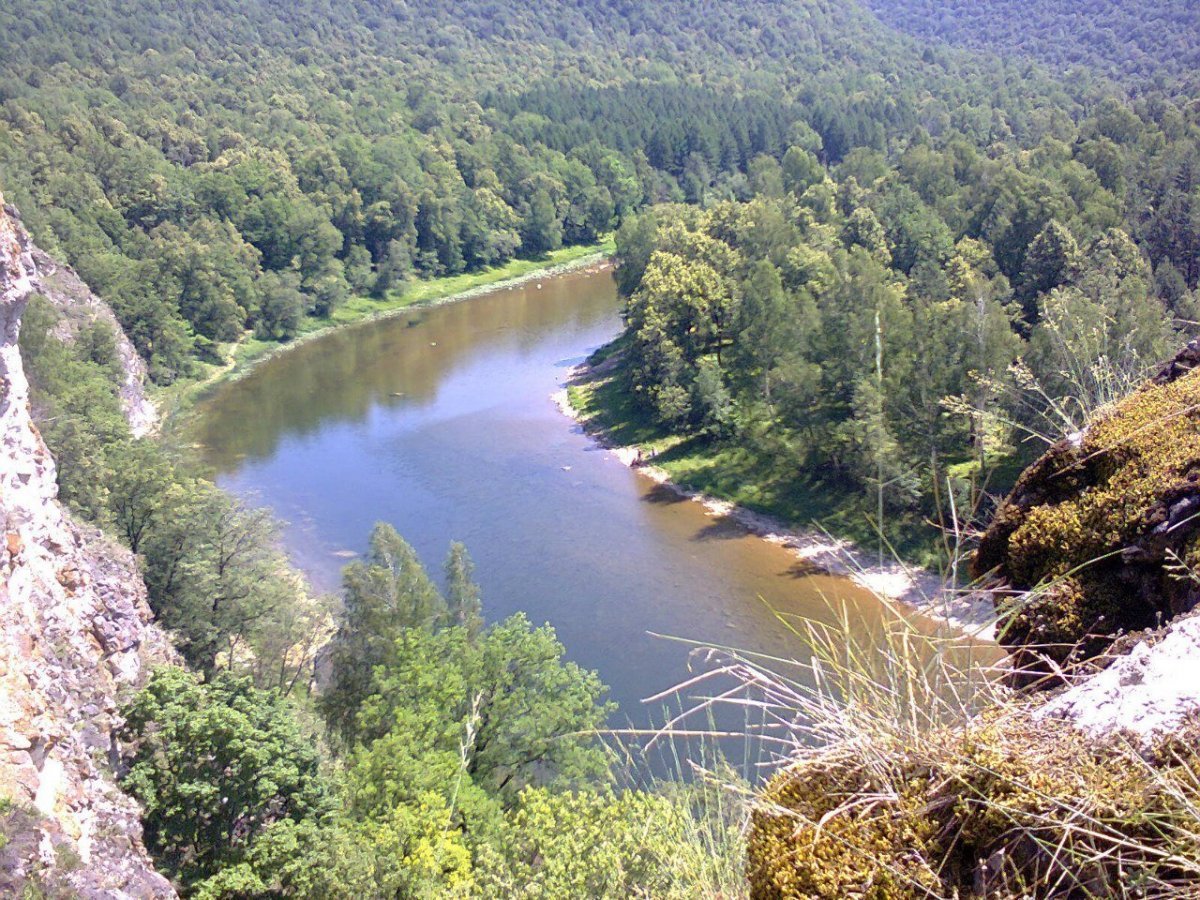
(440, 422)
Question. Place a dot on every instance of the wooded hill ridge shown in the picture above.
(1138, 43)
(212, 170)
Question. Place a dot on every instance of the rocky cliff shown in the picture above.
(77, 637)
(72, 298)
(1095, 559)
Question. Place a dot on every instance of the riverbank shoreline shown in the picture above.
(909, 588)
(176, 404)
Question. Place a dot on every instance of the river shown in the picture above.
(440, 421)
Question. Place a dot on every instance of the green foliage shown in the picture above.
(1135, 42)
(281, 307)
(213, 572)
(408, 853)
(215, 765)
(406, 672)
(506, 701)
(212, 175)
(76, 398)
(1050, 261)
(209, 175)
(596, 845)
(6, 806)
(816, 342)
(474, 771)
(464, 607)
(386, 595)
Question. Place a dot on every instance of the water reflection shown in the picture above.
(441, 423)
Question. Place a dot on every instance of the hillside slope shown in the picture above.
(212, 174)
(77, 637)
(80, 309)
(1133, 42)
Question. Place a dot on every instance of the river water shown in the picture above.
(440, 421)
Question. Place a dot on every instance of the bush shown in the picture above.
(213, 766)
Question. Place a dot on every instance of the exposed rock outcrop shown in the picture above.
(1150, 692)
(77, 637)
(1101, 536)
(68, 294)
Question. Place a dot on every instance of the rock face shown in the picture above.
(76, 638)
(1101, 536)
(79, 306)
(1152, 691)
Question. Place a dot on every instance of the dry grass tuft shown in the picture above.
(915, 773)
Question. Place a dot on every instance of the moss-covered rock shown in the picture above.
(1004, 807)
(1096, 538)
(819, 832)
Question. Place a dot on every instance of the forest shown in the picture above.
(217, 175)
(859, 263)
(903, 333)
(1137, 43)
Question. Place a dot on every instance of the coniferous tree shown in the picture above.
(464, 608)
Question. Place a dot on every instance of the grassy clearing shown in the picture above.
(177, 399)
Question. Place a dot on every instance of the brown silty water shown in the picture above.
(440, 422)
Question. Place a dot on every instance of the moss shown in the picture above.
(1005, 807)
(801, 846)
(67, 858)
(1092, 529)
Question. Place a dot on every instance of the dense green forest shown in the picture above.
(879, 339)
(1134, 42)
(857, 266)
(210, 172)
(891, 332)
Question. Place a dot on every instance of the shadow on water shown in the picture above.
(720, 529)
(802, 569)
(663, 494)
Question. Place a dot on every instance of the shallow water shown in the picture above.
(440, 422)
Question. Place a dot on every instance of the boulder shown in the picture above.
(1100, 537)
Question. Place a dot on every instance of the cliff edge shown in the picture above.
(1088, 789)
(77, 637)
(68, 294)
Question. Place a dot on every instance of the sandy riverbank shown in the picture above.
(912, 587)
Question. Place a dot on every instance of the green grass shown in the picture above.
(178, 399)
(731, 472)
